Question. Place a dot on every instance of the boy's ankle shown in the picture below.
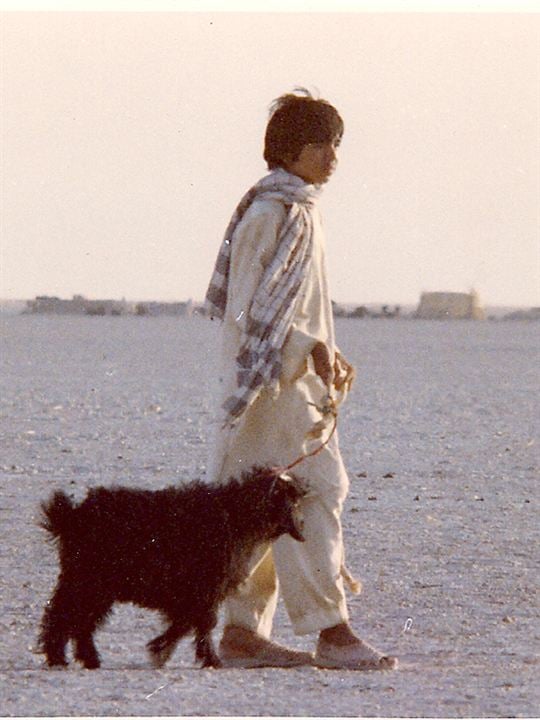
(339, 635)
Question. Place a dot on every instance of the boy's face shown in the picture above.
(316, 162)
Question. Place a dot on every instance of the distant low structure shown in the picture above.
(531, 314)
(449, 306)
(362, 311)
(161, 308)
(79, 305)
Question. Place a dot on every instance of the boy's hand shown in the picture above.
(322, 363)
(344, 373)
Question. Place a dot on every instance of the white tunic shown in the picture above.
(273, 431)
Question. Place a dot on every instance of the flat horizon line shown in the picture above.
(345, 304)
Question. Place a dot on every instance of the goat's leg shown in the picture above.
(89, 620)
(162, 647)
(85, 651)
(204, 646)
(57, 624)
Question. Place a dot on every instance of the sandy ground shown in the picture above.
(441, 439)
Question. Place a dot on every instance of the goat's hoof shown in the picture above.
(159, 653)
(157, 660)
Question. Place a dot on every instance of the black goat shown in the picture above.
(180, 550)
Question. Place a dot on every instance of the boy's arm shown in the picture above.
(322, 363)
(340, 373)
(254, 246)
(344, 372)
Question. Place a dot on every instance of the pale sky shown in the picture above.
(128, 139)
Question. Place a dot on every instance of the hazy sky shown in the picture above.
(128, 139)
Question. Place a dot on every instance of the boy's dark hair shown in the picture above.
(297, 119)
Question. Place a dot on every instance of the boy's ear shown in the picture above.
(287, 160)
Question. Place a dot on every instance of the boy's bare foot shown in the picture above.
(241, 647)
(340, 648)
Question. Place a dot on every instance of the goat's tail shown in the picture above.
(57, 514)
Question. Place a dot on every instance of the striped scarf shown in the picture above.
(273, 305)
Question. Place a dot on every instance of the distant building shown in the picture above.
(530, 314)
(78, 305)
(175, 309)
(362, 311)
(449, 306)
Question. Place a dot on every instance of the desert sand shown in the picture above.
(441, 438)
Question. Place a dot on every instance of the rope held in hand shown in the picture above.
(328, 407)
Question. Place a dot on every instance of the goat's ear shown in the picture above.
(301, 486)
(293, 486)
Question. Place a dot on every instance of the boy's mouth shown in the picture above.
(328, 171)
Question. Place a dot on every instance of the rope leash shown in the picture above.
(328, 407)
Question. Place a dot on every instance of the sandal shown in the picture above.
(357, 656)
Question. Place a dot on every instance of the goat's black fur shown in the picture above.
(180, 550)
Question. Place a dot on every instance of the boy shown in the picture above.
(279, 362)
